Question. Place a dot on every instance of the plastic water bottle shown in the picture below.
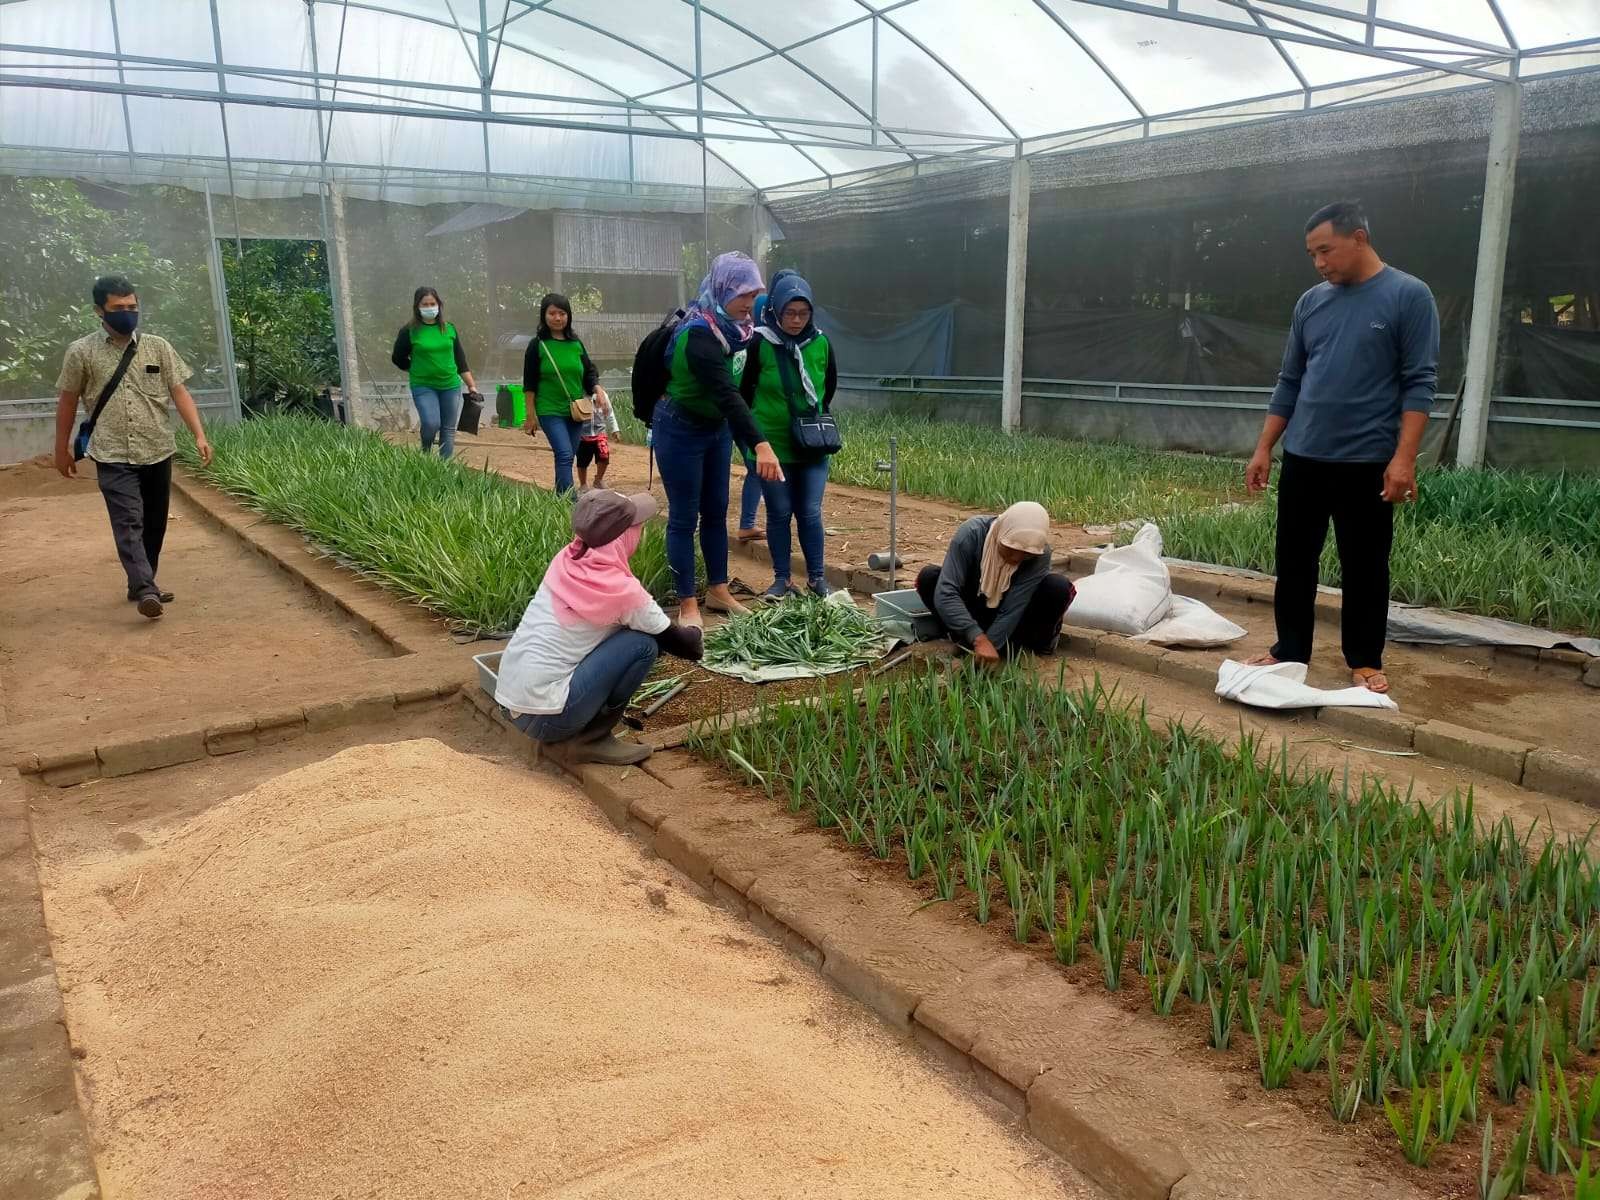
(649, 437)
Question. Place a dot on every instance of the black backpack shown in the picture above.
(650, 372)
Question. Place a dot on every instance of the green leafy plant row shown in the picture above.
(1419, 961)
(470, 545)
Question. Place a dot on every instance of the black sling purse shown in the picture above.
(812, 429)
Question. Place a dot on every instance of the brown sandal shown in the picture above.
(1371, 679)
(749, 535)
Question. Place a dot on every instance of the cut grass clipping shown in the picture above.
(1428, 968)
(470, 545)
(802, 631)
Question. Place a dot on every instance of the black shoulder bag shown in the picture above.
(812, 429)
(80, 444)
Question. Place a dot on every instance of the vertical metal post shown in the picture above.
(219, 304)
(1488, 284)
(127, 119)
(349, 385)
(1016, 294)
(227, 145)
(894, 504)
(700, 128)
(485, 78)
(874, 79)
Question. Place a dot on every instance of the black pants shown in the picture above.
(1041, 620)
(137, 498)
(1351, 494)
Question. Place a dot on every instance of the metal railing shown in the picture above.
(1238, 399)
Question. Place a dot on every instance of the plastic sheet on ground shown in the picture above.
(1283, 685)
(1419, 625)
(754, 673)
(1437, 627)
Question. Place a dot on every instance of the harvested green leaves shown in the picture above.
(803, 631)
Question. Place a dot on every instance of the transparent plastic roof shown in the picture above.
(457, 95)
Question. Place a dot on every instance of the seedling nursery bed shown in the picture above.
(1423, 979)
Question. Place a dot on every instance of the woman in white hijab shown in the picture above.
(995, 593)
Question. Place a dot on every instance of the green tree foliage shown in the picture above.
(282, 319)
(56, 237)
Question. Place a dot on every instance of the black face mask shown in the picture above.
(122, 321)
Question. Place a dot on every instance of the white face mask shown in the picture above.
(429, 312)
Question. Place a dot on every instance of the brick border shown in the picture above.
(1523, 763)
(45, 1150)
(153, 748)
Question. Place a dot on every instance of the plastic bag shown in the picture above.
(1283, 685)
(1130, 590)
(1192, 623)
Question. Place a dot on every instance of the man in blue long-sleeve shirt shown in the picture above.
(1351, 405)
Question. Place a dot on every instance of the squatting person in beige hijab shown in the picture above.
(995, 594)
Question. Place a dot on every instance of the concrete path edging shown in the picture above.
(1516, 761)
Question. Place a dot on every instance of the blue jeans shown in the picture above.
(694, 470)
(750, 498)
(564, 435)
(438, 409)
(606, 678)
(799, 495)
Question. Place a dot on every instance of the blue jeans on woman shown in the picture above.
(693, 457)
(750, 498)
(607, 677)
(799, 495)
(438, 409)
(564, 434)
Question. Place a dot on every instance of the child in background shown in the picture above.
(593, 446)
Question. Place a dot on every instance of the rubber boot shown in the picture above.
(597, 745)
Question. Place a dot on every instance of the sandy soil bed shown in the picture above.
(405, 971)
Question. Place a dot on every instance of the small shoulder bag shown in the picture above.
(581, 409)
(812, 429)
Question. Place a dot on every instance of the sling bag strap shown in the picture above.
(581, 409)
(86, 430)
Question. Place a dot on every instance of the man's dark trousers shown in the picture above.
(137, 498)
(1310, 493)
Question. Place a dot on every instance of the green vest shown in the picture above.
(552, 400)
(433, 356)
(684, 386)
(777, 384)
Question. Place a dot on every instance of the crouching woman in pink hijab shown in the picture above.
(589, 637)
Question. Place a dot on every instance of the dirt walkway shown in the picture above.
(407, 971)
(71, 645)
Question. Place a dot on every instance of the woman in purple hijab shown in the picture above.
(695, 424)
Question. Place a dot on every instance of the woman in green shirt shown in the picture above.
(429, 351)
(556, 370)
(790, 368)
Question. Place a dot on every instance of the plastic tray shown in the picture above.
(488, 670)
(906, 609)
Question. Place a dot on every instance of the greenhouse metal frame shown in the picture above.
(680, 100)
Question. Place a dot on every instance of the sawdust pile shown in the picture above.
(406, 972)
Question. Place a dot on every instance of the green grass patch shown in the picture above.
(1332, 930)
(1518, 545)
(471, 546)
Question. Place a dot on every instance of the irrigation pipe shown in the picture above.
(657, 704)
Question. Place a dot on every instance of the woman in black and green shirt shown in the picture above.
(790, 368)
(556, 370)
(429, 351)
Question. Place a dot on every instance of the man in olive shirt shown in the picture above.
(132, 444)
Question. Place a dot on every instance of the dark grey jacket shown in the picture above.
(957, 599)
